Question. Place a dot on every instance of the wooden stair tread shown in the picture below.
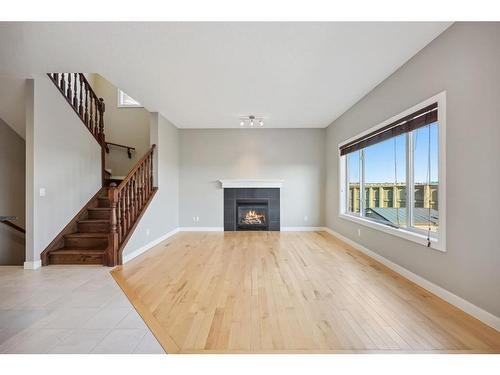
(94, 221)
(69, 251)
(87, 235)
(99, 209)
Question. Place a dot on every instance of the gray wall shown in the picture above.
(465, 62)
(126, 126)
(294, 155)
(12, 109)
(12, 184)
(162, 215)
(62, 157)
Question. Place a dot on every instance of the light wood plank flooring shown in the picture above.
(265, 292)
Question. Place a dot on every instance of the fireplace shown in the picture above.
(251, 209)
(252, 215)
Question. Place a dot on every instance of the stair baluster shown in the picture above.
(75, 85)
(86, 116)
(68, 90)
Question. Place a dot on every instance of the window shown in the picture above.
(125, 101)
(391, 175)
(385, 181)
(353, 204)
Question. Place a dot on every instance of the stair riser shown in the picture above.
(93, 227)
(99, 214)
(86, 243)
(76, 259)
(103, 203)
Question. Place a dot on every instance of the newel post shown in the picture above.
(113, 245)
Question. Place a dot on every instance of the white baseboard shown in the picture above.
(143, 249)
(302, 229)
(221, 229)
(466, 306)
(32, 265)
(201, 229)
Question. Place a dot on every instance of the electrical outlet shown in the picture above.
(306, 218)
(197, 218)
(42, 192)
(359, 232)
(147, 232)
(194, 219)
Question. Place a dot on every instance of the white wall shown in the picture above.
(126, 126)
(464, 61)
(162, 215)
(63, 157)
(12, 185)
(294, 155)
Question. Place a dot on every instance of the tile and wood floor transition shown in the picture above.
(271, 292)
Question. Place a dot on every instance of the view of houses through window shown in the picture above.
(377, 180)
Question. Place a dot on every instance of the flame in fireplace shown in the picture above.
(253, 218)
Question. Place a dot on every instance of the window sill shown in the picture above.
(406, 234)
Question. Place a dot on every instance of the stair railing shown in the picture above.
(128, 202)
(7, 221)
(87, 105)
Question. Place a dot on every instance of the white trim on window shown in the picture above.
(437, 241)
(121, 103)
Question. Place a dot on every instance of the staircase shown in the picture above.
(90, 240)
(100, 231)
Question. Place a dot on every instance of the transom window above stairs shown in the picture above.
(126, 101)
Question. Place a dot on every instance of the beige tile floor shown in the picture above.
(68, 309)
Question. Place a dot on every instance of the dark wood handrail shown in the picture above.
(12, 225)
(128, 201)
(136, 167)
(129, 148)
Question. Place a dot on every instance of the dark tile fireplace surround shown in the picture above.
(251, 209)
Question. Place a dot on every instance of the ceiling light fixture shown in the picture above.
(251, 121)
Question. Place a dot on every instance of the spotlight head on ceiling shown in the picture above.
(251, 121)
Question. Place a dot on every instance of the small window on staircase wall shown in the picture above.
(125, 101)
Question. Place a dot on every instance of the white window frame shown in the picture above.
(437, 240)
(120, 102)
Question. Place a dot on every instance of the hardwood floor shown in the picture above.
(288, 292)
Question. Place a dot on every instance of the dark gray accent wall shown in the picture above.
(231, 195)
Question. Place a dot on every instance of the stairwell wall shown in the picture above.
(62, 158)
(126, 126)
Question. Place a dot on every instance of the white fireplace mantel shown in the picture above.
(251, 183)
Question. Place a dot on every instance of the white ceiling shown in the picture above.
(207, 75)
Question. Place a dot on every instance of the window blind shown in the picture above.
(406, 124)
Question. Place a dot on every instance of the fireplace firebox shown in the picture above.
(252, 215)
(252, 209)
